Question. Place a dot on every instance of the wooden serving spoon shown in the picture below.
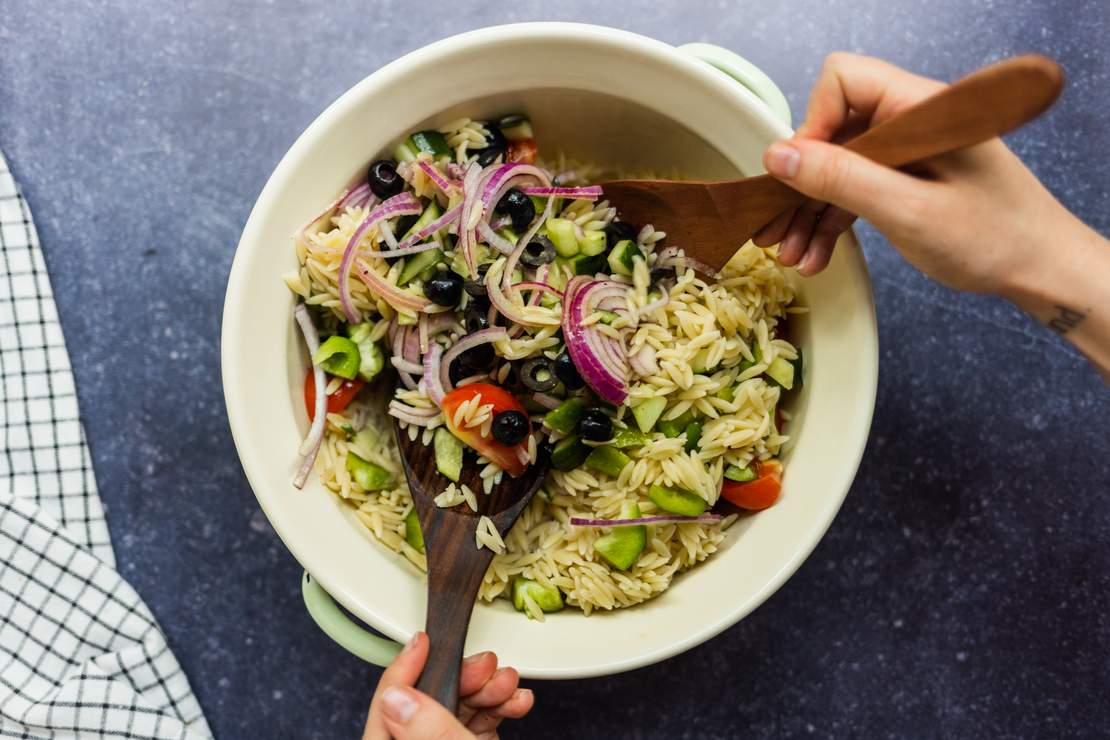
(455, 564)
(711, 220)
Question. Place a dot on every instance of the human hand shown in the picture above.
(488, 694)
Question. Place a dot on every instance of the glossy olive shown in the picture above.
(384, 180)
(444, 288)
(518, 207)
(539, 251)
(510, 427)
(618, 231)
(566, 371)
(595, 425)
(538, 374)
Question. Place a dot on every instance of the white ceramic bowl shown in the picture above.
(597, 94)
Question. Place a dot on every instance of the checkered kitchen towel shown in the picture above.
(80, 654)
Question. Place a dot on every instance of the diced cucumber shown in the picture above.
(405, 152)
(757, 357)
(516, 127)
(418, 263)
(608, 460)
(623, 256)
(431, 213)
(726, 394)
(628, 438)
(568, 454)
(797, 363)
(371, 361)
(369, 476)
(693, 436)
(338, 356)
(430, 141)
(449, 453)
(413, 534)
(547, 598)
(648, 411)
(781, 372)
(700, 364)
(622, 546)
(506, 232)
(591, 243)
(365, 440)
(740, 475)
(671, 428)
(588, 265)
(564, 418)
(561, 233)
(540, 203)
(677, 500)
(405, 318)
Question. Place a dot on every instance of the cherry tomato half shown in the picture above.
(507, 457)
(337, 401)
(759, 493)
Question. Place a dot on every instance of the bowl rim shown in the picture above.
(425, 55)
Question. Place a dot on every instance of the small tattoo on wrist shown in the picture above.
(1065, 320)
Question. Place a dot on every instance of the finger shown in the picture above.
(833, 174)
(834, 222)
(411, 715)
(496, 691)
(476, 671)
(796, 241)
(487, 720)
(864, 85)
(404, 671)
(773, 232)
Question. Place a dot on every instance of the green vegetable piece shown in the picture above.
(623, 256)
(622, 546)
(365, 439)
(693, 436)
(608, 317)
(677, 500)
(413, 534)
(587, 265)
(648, 411)
(405, 152)
(430, 141)
(417, 264)
(592, 243)
(740, 475)
(561, 233)
(628, 438)
(797, 363)
(449, 453)
(608, 460)
(368, 475)
(338, 356)
(757, 357)
(371, 359)
(701, 362)
(568, 454)
(564, 418)
(726, 394)
(431, 213)
(547, 598)
(781, 373)
(516, 127)
(671, 428)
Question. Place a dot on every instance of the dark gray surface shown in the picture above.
(962, 592)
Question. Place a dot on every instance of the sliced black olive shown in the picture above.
(444, 289)
(518, 207)
(539, 251)
(488, 156)
(476, 288)
(595, 425)
(475, 318)
(618, 231)
(384, 180)
(662, 273)
(478, 359)
(538, 374)
(510, 427)
(567, 372)
(494, 137)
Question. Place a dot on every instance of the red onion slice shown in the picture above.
(434, 175)
(548, 402)
(590, 192)
(578, 521)
(355, 196)
(399, 205)
(492, 334)
(599, 358)
(311, 444)
(448, 218)
(391, 293)
(433, 381)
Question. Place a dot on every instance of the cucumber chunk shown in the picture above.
(417, 264)
(797, 363)
(677, 500)
(547, 598)
(368, 475)
(568, 454)
(648, 411)
(623, 256)
(671, 428)
(564, 418)
(757, 357)
(405, 152)
(413, 534)
(430, 141)
(693, 436)
(592, 243)
(431, 213)
(516, 127)
(740, 475)
(622, 546)
(561, 233)
(628, 438)
(371, 361)
(608, 460)
(700, 365)
(588, 264)
(781, 372)
(449, 453)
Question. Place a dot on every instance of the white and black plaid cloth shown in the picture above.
(80, 654)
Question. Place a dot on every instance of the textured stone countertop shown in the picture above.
(964, 588)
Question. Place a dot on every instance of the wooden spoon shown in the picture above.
(711, 220)
(455, 564)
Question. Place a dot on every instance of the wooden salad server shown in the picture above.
(711, 220)
(456, 565)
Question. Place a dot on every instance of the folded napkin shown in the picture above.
(80, 653)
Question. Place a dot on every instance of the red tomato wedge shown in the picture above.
(337, 401)
(759, 493)
(508, 458)
(522, 151)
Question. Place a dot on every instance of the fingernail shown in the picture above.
(412, 642)
(398, 705)
(520, 693)
(782, 160)
(476, 657)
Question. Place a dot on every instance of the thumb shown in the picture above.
(412, 715)
(833, 174)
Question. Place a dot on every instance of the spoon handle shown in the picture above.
(985, 104)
